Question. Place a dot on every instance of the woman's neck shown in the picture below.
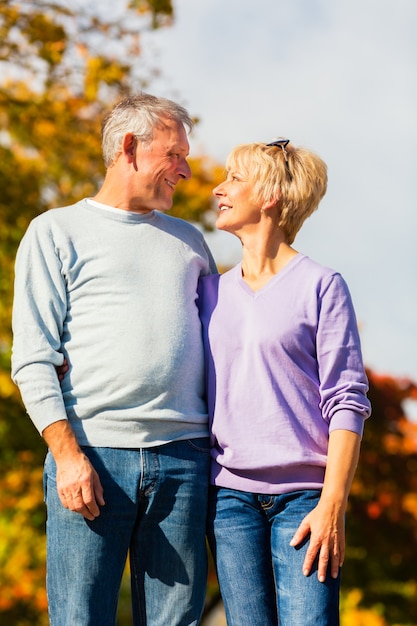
(262, 260)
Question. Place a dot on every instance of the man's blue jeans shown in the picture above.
(260, 574)
(156, 505)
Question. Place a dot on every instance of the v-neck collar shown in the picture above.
(272, 281)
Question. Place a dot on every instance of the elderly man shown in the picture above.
(110, 285)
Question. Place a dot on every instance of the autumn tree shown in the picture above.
(380, 567)
(61, 68)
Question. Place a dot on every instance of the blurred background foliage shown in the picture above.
(61, 68)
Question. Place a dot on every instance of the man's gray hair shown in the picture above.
(140, 115)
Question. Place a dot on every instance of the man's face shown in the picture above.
(159, 166)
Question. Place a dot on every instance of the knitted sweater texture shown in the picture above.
(284, 368)
(115, 292)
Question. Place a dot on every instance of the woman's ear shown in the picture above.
(270, 204)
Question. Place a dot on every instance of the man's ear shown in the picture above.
(129, 144)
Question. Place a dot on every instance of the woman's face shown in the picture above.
(236, 199)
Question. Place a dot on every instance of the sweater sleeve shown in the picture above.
(39, 311)
(211, 261)
(343, 382)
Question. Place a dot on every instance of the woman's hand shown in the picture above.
(326, 526)
(326, 522)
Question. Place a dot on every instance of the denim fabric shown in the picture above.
(260, 574)
(156, 504)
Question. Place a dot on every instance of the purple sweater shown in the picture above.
(284, 368)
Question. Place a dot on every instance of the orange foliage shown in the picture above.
(382, 514)
(22, 549)
(352, 615)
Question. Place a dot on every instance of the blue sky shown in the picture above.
(341, 79)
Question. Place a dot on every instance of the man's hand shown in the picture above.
(78, 483)
(61, 370)
(79, 486)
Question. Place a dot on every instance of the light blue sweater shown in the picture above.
(115, 292)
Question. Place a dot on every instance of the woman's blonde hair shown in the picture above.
(295, 177)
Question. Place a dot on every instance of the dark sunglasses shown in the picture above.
(281, 143)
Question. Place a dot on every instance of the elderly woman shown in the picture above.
(287, 398)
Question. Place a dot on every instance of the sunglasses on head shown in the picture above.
(281, 143)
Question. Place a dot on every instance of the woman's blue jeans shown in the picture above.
(260, 574)
(156, 505)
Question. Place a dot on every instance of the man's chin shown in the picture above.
(164, 206)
